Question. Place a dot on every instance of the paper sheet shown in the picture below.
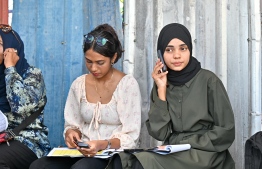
(66, 152)
(167, 149)
(163, 150)
(3, 122)
(63, 152)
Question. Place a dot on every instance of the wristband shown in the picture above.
(108, 145)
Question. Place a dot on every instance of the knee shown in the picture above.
(137, 165)
(81, 164)
(86, 163)
(34, 165)
(38, 164)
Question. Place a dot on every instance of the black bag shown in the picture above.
(253, 152)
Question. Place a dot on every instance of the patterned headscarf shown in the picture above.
(11, 40)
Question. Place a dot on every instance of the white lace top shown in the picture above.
(120, 118)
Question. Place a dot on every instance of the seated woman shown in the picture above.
(188, 105)
(103, 108)
(22, 93)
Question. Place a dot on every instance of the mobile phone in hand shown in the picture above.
(162, 60)
(81, 144)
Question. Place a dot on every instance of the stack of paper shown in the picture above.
(66, 152)
(164, 149)
(167, 149)
(107, 153)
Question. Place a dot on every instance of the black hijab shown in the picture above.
(11, 40)
(169, 32)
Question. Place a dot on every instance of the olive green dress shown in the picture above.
(198, 113)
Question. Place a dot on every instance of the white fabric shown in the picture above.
(120, 118)
(3, 122)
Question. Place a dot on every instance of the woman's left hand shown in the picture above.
(10, 57)
(94, 147)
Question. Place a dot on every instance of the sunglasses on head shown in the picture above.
(100, 41)
(7, 28)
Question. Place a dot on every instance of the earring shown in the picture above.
(112, 63)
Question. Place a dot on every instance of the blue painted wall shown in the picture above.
(52, 32)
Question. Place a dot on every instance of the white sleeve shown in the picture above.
(73, 119)
(129, 111)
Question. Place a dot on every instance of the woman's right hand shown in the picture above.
(10, 57)
(160, 79)
(94, 147)
(159, 76)
(70, 136)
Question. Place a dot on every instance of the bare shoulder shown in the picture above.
(119, 75)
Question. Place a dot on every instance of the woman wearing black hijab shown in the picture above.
(22, 92)
(189, 105)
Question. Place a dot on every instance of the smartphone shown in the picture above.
(162, 60)
(81, 144)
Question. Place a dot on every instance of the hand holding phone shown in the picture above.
(164, 69)
(81, 144)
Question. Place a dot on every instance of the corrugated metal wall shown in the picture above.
(223, 42)
(52, 32)
(221, 30)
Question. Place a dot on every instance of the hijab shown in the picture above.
(11, 40)
(169, 32)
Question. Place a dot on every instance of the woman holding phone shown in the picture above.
(189, 105)
(103, 108)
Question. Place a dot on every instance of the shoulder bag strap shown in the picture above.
(28, 120)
